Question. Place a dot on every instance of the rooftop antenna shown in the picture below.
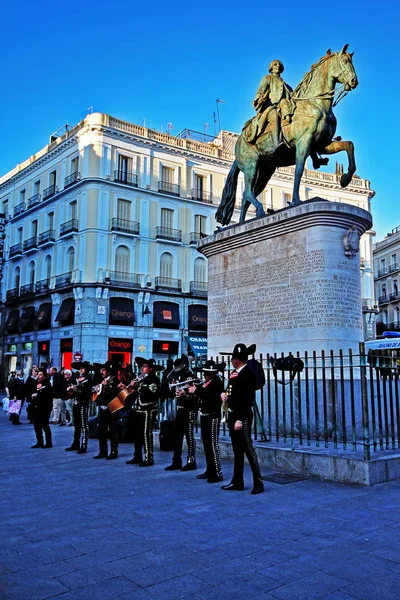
(143, 123)
(215, 124)
(87, 112)
(169, 127)
(218, 102)
(206, 128)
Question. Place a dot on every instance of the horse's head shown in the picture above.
(344, 70)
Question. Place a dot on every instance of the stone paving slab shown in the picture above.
(73, 528)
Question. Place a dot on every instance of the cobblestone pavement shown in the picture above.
(74, 528)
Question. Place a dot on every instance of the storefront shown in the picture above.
(66, 352)
(121, 311)
(120, 351)
(44, 353)
(26, 358)
(11, 356)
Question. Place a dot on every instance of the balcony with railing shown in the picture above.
(122, 279)
(15, 249)
(383, 299)
(12, 294)
(20, 208)
(169, 188)
(34, 200)
(166, 233)
(201, 195)
(71, 179)
(64, 280)
(69, 227)
(47, 237)
(30, 243)
(126, 177)
(393, 267)
(125, 226)
(167, 283)
(198, 288)
(382, 272)
(27, 290)
(195, 236)
(50, 191)
(42, 286)
(394, 296)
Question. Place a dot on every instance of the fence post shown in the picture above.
(364, 400)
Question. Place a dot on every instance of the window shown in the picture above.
(397, 316)
(34, 228)
(5, 207)
(75, 165)
(167, 175)
(385, 317)
(47, 268)
(124, 164)
(287, 198)
(122, 260)
(200, 270)
(36, 187)
(19, 235)
(50, 218)
(200, 223)
(167, 217)
(166, 265)
(53, 178)
(17, 278)
(73, 209)
(124, 208)
(395, 287)
(32, 274)
(199, 186)
(384, 290)
(22, 196)
(70, 259)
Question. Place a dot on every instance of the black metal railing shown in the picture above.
(198, 288)
(122, 279)
(202, 195)
(27, 290)
(169, 188)
(69, 226)
(382, 272)
(19, 208)
(167, 283)
(71, 179)
(47, 236)
(12, 294)
(166, 233)
(50, 191)
(15, 249)
(64, 280)
(195, 236)
(125, 226)
(126, 177)
(383, 299)
(33, 200)
(393, 267)
(30, 243)
(394, 296)
(42, 286)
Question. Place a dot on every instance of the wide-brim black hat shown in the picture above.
(212, 367)
(241, 351)
(82, 365)
(140, 361)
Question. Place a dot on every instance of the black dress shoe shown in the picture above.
(174, 467)
(134, 461)
(258, 488)
(100, 456)
(202, 475)
(37, 446)
(112, 456)
(82, 451)
(48, 445)
(72, 448)
(215, 479)
(147, 463)
(190, 467)
(233, 486)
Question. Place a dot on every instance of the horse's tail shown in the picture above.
(225, 209)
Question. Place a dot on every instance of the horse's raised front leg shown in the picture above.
(302, 151)
(339, 146)
(250, 181)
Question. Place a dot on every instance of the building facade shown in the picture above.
(101, 228)
(387, 281)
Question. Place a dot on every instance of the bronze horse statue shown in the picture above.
(310, 133)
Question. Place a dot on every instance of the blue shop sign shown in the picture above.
(198, 343)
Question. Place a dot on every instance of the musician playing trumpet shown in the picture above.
(81, 394)
(147, 391)
(107, 420)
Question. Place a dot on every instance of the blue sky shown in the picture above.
(169, 62)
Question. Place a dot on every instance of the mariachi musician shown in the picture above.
(107, 390)
(81, 394)
(186, 414)
(208, 394)
(147, 392)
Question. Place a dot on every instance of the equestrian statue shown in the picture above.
(290, 126)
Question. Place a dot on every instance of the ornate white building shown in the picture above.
(100, 241)
(387, 281)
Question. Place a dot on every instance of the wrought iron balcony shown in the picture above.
(50, 191)
(16, 249)
(34, 200)
(27, 290)
(42, 286)
(71, 179)
(166, 233)
(12, 294)
(166, 283)
(126, 177)
(64, 280)
(125, 226)
(30, 243)
(195, 236)
(382, 272)
(383, 299)
(394, 296)
(19, 208)
(69, 227)
(198, 288)
(47, 237)
(393, 267)
(122, 279)
(169, 188)
(201, 195)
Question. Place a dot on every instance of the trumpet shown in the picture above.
(183, 385)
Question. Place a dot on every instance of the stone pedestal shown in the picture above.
(285, 282)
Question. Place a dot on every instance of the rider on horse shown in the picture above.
(272, 90)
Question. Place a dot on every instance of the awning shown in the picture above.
(26, 321)
(198, 344)
(66, 309)
(44, 314)
(121, 311)
(166, 314)
(12, 320)
(386, 344)
(197, 317)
